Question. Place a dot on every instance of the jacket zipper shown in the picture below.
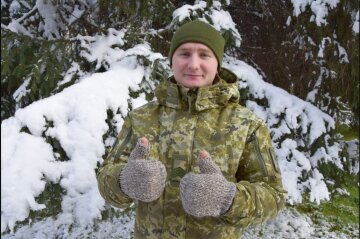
(190, 99)
(189, 103)
(124, 143)
(192, 146)
(276, 168)
(189, 165)
(259, 156)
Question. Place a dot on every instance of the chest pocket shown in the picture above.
(225, 142)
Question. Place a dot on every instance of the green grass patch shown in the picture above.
(340, 214)
(349, 132)
(342, 208)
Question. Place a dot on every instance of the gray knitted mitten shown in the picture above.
(207, 193)
(142, 179)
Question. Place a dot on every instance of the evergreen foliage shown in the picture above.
(37, 62)
(31, 69)
(314, 60)
(28, 55)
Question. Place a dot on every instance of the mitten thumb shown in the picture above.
(141, 150)
(206, 164)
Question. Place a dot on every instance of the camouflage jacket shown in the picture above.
(179, 125)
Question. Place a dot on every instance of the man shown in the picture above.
(198, 164)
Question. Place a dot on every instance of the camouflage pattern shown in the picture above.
(179, 125)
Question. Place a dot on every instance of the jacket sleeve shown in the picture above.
(260, 194)
(109, 172)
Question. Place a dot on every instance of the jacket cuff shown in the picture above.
(228, 199)
(241, 209)
(110, 188)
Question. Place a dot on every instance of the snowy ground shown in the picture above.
(288, 224)
(291, 224)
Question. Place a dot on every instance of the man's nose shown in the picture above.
(194, 62)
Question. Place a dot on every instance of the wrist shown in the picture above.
(228, 198)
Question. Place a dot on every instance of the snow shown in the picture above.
(220, 19)
(298, 115)
(353, 150)
(68, 75)
(341, 50)
(14, 6)
(288, 224)
(16, 27)
(53, 18)
(50, 24)
(23, 177)
(280, 101)
(51, 228)
(78, 114)
(342, 191)
(76, 118)
(21, 91)
(186, 10)
(288, 21)
(75, 14)
(355, 26)
(319, 8)
(342, 54)
(98, 48)
(318, 187)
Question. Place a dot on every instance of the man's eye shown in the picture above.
(204, 55)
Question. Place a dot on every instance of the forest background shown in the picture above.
(307, 48)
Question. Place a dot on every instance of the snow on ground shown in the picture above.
(293, 225)
(288, 224)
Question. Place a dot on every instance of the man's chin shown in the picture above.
(191, 85)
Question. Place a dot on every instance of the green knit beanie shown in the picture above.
(200, 32)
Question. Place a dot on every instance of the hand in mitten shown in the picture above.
(207, 193)
(142, 179)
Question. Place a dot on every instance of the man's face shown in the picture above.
(194, 65)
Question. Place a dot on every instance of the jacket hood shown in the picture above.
(220, 94)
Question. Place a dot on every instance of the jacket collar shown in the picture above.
(220, 94)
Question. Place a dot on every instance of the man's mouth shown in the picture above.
(193, 75)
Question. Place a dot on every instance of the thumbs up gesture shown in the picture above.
(207, 193)
(142, 179)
